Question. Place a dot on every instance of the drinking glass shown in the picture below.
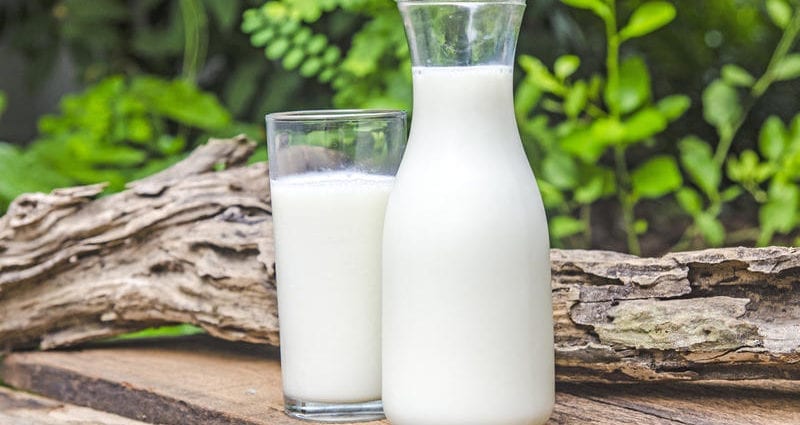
(330, 176)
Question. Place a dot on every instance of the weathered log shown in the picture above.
(194, 245)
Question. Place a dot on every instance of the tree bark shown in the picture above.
(194, 245)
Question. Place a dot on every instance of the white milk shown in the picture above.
(328, 230)
(467, 316)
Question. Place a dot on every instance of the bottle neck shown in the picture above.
(461, 33)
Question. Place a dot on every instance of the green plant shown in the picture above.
(196, 39)
(727, 102)
(599, 117)
(778, 169)
(116, 131)
(374, 72)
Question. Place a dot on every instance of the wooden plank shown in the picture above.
(193, 380)
(209, 381)
(17, 408)
(574, 410)
(708, 403)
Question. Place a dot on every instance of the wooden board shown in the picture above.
(208, 381)
(18, 408)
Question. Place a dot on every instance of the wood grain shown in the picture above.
(707, 403)
(192, 381)
(194, 245)
(17, 408)
(208, 381)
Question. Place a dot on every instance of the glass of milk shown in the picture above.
(330, 177)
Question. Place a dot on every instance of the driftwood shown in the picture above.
(194, 245)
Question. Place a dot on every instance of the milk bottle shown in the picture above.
(467, 316)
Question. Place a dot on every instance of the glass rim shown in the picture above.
(455, 2)
(335, 115)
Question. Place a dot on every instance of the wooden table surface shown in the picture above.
(200, 380)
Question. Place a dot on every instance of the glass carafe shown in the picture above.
(467, 316)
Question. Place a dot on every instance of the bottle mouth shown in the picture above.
(336, 115)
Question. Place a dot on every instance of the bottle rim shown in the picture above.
(335, 115)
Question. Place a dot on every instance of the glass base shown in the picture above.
(333, 412)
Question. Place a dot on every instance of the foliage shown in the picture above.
(681, 123)
(374, 73)
(595, 137)
(160, 332)
(116, 131)
(599, 116)
(198, 40)
(726, 104)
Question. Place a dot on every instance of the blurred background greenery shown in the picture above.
(651, 125)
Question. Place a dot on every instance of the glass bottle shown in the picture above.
(467, 315)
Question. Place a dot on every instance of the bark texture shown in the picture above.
(194, 245)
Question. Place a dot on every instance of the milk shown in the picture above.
(467, 316)
(328, 230)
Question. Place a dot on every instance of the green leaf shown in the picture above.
(118, 155)
(576, 99)
(730, 193)
(252, 20)
(748, 168)
(263, 37)
(656, 177)
(597, 6)
(593, 189)
(673, 107)
(318, 43)
(161, 332)
(302, 37)
(540, 75)
(689, 200)
(566, 65)
(737, 76)
(640, 226)
(780, 212)
(588, 144)
(311, 67)
(562, 226)
(648, 18)
(170, 145)
(560, 170)
(711, 229)
(293, 58)
(779, 12)
(551, 196)
(643, 125)
(181, 101)
(22, 172)
(596, 182)
(773, 138)
(789, 67)
(277, 49)
(721, 106)
(634, 86)
(526, 98)
(3, 103)
(698, 161)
